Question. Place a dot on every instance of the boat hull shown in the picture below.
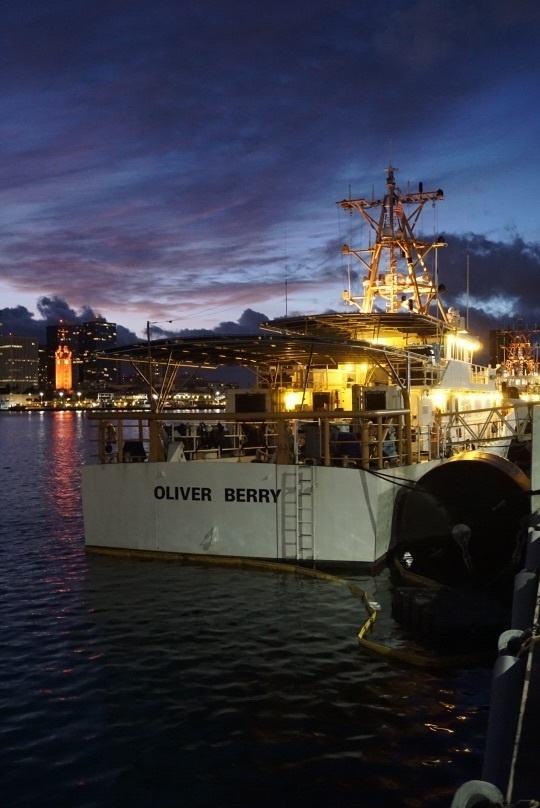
(246, 510)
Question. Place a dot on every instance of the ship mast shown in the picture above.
(397, 273)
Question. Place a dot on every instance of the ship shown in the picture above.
(519, 366)
(361, 429)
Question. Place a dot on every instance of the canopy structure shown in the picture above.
(246, 350)
(372, 327)
(326, 343)
(322, 339)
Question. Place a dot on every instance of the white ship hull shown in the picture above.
(247, 510)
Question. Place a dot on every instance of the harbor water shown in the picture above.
(151, 683)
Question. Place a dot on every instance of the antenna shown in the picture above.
(467, 296)
(437, 295)
(286, 277)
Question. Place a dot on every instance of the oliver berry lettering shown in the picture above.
(196, 493)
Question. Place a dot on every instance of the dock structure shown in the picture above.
(524, 779)
(510, 771)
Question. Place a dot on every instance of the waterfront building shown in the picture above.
(63, 375)
(97, 374)
(71, 363)
(19, 363)
(43, 378)
(63, 369)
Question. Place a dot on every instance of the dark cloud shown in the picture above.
(21, 322)
(248, 323)
(124, 336)
(502, 276)
(54, 310)
(492, 283)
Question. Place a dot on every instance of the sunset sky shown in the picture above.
(181, 160)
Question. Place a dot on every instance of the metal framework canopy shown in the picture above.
(319, 340)
(254, 350)
(377, 326)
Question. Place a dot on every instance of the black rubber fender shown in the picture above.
(463, 520)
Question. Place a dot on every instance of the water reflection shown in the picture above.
(66, 454)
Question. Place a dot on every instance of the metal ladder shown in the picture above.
(298, 526)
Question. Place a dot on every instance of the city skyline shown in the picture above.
(183, 163)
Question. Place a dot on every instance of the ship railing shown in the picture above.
(425, 443)
(422, 372)
(523, 384)
(209, 439)
(427, 374)
(357, 439)
(487, 428)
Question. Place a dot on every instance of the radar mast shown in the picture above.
(398, 278)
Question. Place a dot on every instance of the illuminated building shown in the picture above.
(63, 368)
(18, 363)
(97, 374)
(78, 342)
(65, 335)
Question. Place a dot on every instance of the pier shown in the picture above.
(524, 781)
(510, 771)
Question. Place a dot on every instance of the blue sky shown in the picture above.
(175, 160)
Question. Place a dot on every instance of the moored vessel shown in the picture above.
(348, 411)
